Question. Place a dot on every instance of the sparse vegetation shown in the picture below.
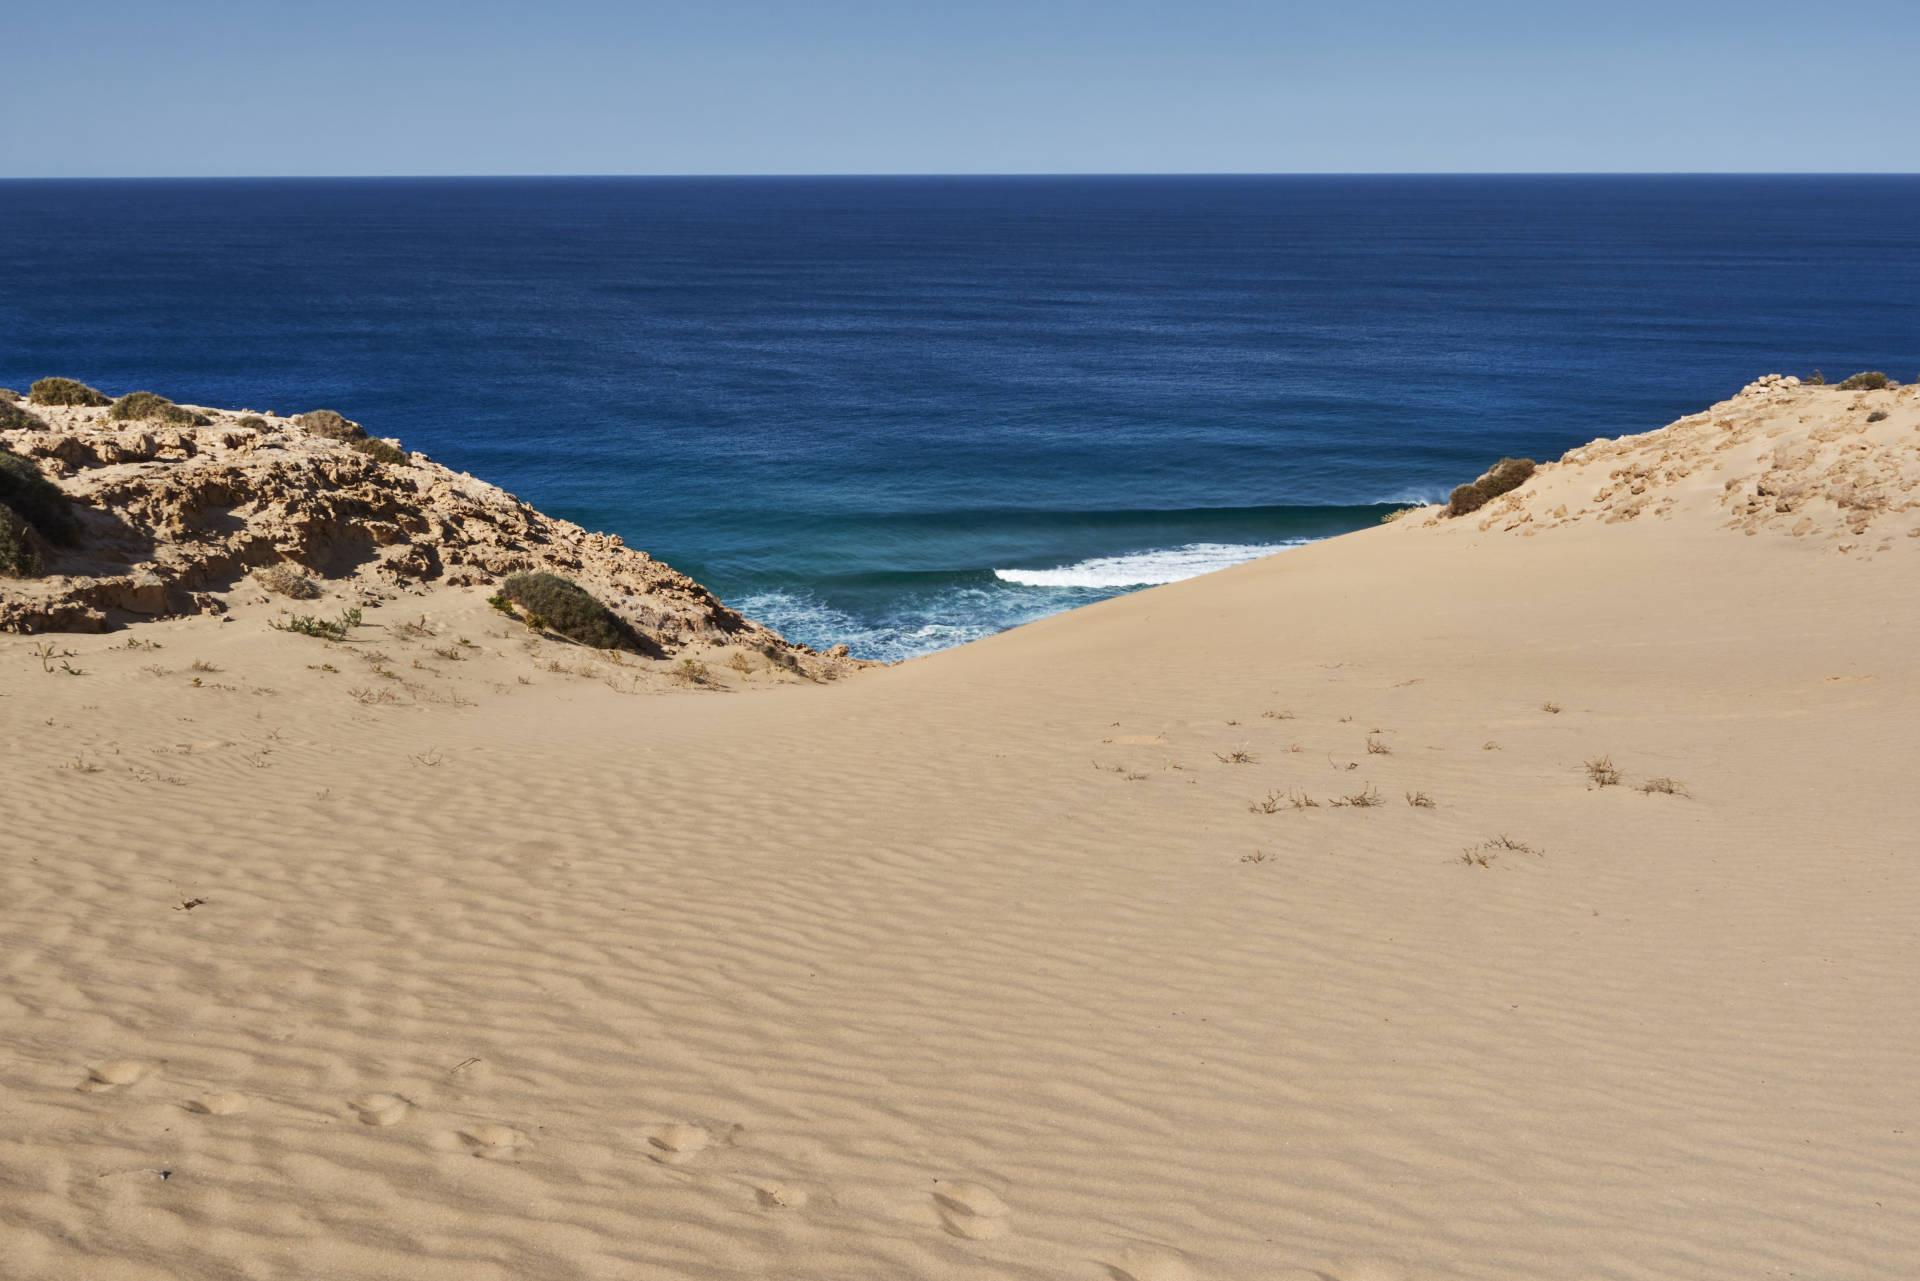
(1377, 748)
(1271, 805)
(14, 418)
(285, 580)
(65, 391)
(327, 423)
(1818, 379)
(19, 550)
(1396, 514)
(1237, 756)
(145, 406)
(1877, 416)
(36, 500)
(1258, 856)
(739, 662)
(1505, 475)
(1664, 786)
(252, 422)
(1550, 707)
(692, 671)
(1366, 798)
(1420, 800)
(334, 629)
(565, 607)
(1278, 716)
(1867, 380)
(1487, 852)
(380, 451)
(1301, 801)
(1601, 773)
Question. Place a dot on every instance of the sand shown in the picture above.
(993, 964)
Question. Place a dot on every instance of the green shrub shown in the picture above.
(65, 391)
(1877, 416)
(565, 607)
(19, 552)
(1871, 380)
(14, 418)
(324, 422)
(1505, 475)
(1818, 380)
(144, 406)
(333, 629)
(380, 451)
(252, 421)
(37, 500)
(8, 393)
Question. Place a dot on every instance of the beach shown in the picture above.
(1521, 894)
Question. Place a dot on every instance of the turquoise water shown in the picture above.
(906, 412)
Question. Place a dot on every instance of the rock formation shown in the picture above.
(173, 516)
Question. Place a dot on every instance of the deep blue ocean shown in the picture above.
(907, 412)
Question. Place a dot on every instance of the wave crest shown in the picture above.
(1146, 569)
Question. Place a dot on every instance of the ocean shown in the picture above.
(903, 413)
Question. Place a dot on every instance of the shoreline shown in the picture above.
(1517, 895)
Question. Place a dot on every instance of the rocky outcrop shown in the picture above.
(174, 516)
(1803, 459)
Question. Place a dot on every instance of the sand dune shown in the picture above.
(1064, 954)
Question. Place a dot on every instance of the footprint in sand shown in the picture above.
(1150, 1265)
(225, 1104)
(494, 1142)
(379, 1109)
(1367, 1269)
(970, 1210)
(677, 1144)
(113, 1074)
(778, 1196)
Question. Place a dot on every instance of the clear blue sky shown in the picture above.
(219, 87)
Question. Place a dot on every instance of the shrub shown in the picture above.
(1507, 474)
(65, 391)
(14, 418)
(37, 500)
(333, 629)
(1871, 380)
(1877, 416)
(253, 422)
(565, 607)
(1818, 380)
(324, 422)
(380, 451)
(19, 551)
(8, 394)
(285, 580)
(144, 406)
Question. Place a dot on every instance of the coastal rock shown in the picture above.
(173, 519)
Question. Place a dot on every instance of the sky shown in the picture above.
(94, 88)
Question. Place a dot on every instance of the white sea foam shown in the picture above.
(1145, 569)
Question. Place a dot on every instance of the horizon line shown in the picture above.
(1170, 173)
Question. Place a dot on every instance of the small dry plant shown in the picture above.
(1550, 707)
(1366, 798)
(285, 580)
(1278, 716)
(1270, 805)
(1301, 801)
(1238, 756)
(1601, 773)
(1664, 786)
(1377, 748)
(1258, 856)
(1420, 800)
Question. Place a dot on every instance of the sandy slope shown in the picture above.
(988, 966)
